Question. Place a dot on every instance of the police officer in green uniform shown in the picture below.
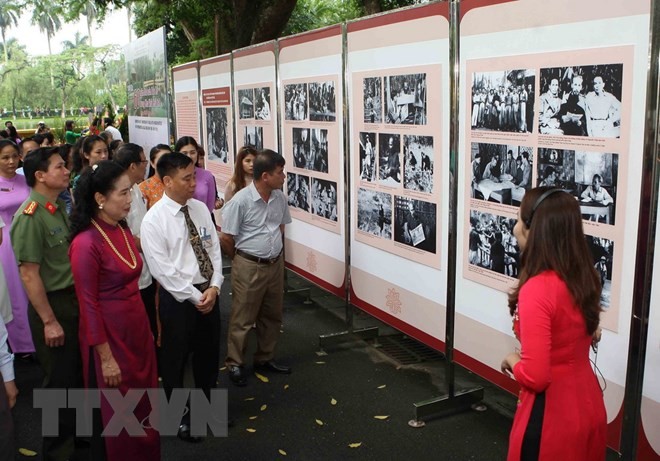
(40, 238)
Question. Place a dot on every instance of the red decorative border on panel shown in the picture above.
(645, 451)
(189, 65)
(466, 6)
(310, 36)
(256, 49)
(221, 58)
(338, 291)
(441, 9)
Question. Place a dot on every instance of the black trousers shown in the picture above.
(62, 369)
(531, 445)
(149, 299)
(185, 331)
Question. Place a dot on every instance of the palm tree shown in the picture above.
(9, 13)
(78, 41)
(91, 12)
(47, 17)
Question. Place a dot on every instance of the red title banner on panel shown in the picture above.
(216, 96)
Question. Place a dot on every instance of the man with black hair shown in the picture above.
(109, 127)
(40, 238)
(181, 247)
(252, 235)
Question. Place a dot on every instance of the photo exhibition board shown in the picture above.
(581, 62)
(311, 95)
(186, 99)
(148, 103)
(254, 97)
(399, 137)
(217, 118)
(650, 435)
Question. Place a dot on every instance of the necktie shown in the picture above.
(205, 265)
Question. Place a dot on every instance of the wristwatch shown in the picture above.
(217, 290)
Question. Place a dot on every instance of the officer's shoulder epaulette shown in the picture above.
(31, 208)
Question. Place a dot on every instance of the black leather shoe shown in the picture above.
(237, 375)
(272, 366)
(184, 434)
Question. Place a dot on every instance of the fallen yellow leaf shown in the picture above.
(26, 452)
(355, 445)
(286, 386)
(281, 452)
(382, 417)
(223, 368)
(382, 387)
(263, 407)
(247, 399)
(252, 417)
(333, 402)
(320, 363)
(319, 422)
(249, 429)
(261, 377)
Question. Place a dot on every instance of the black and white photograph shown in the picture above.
(581, 101)
(415, 223)
(246, 103)
(318, 150)
(367, 156)
(372, 96)
(322, 102)
(602, 251)
(503, 100)
(295, 101)
(418, 163)
(591, 177)
(375, 213)
(389, 161)
(262, 103)
(324, 199)
(254, 136)
(405, 99)
(216, 129)
(297, 188)
(491, 243)
(500, 173)
(301, 148)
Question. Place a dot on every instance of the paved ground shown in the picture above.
(362, 380)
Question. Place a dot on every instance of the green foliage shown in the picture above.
(314, 14)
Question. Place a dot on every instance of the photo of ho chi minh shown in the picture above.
(216, 129)
(322, 104)
(375, 213)
(415, 223)
(405, 99)
(295, 101)
(491, 243)
(581, 101)
(602, 251)
(297, 188)
(372, 89)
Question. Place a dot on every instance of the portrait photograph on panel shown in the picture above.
(500, 173)
(295, 101)
(246, 103)
(216, 129)
(503, 100)
(591, 177)
(297, 187)
(418, 163)
(253, 136)
(581, 101)
(324, 199)
(367, 156)
(389, 163)
(372, 97)
(415, 223)
(301, 147)
(322, 102)
(602, 251)
(318, 150)
(375, 213)
(405, 99)
(262, 103)
(491, 243)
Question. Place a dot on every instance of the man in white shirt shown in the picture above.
(182, 249)
(132, 159)
(109, 127)
(252, 235)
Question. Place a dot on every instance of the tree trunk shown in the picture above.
(50, 66)
(272, 20)
(89, 31)
(4, 46)
(372, 6)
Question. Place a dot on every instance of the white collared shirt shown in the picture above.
(167, 249)
(134, 220)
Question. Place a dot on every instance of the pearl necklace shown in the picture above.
(132, 265)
